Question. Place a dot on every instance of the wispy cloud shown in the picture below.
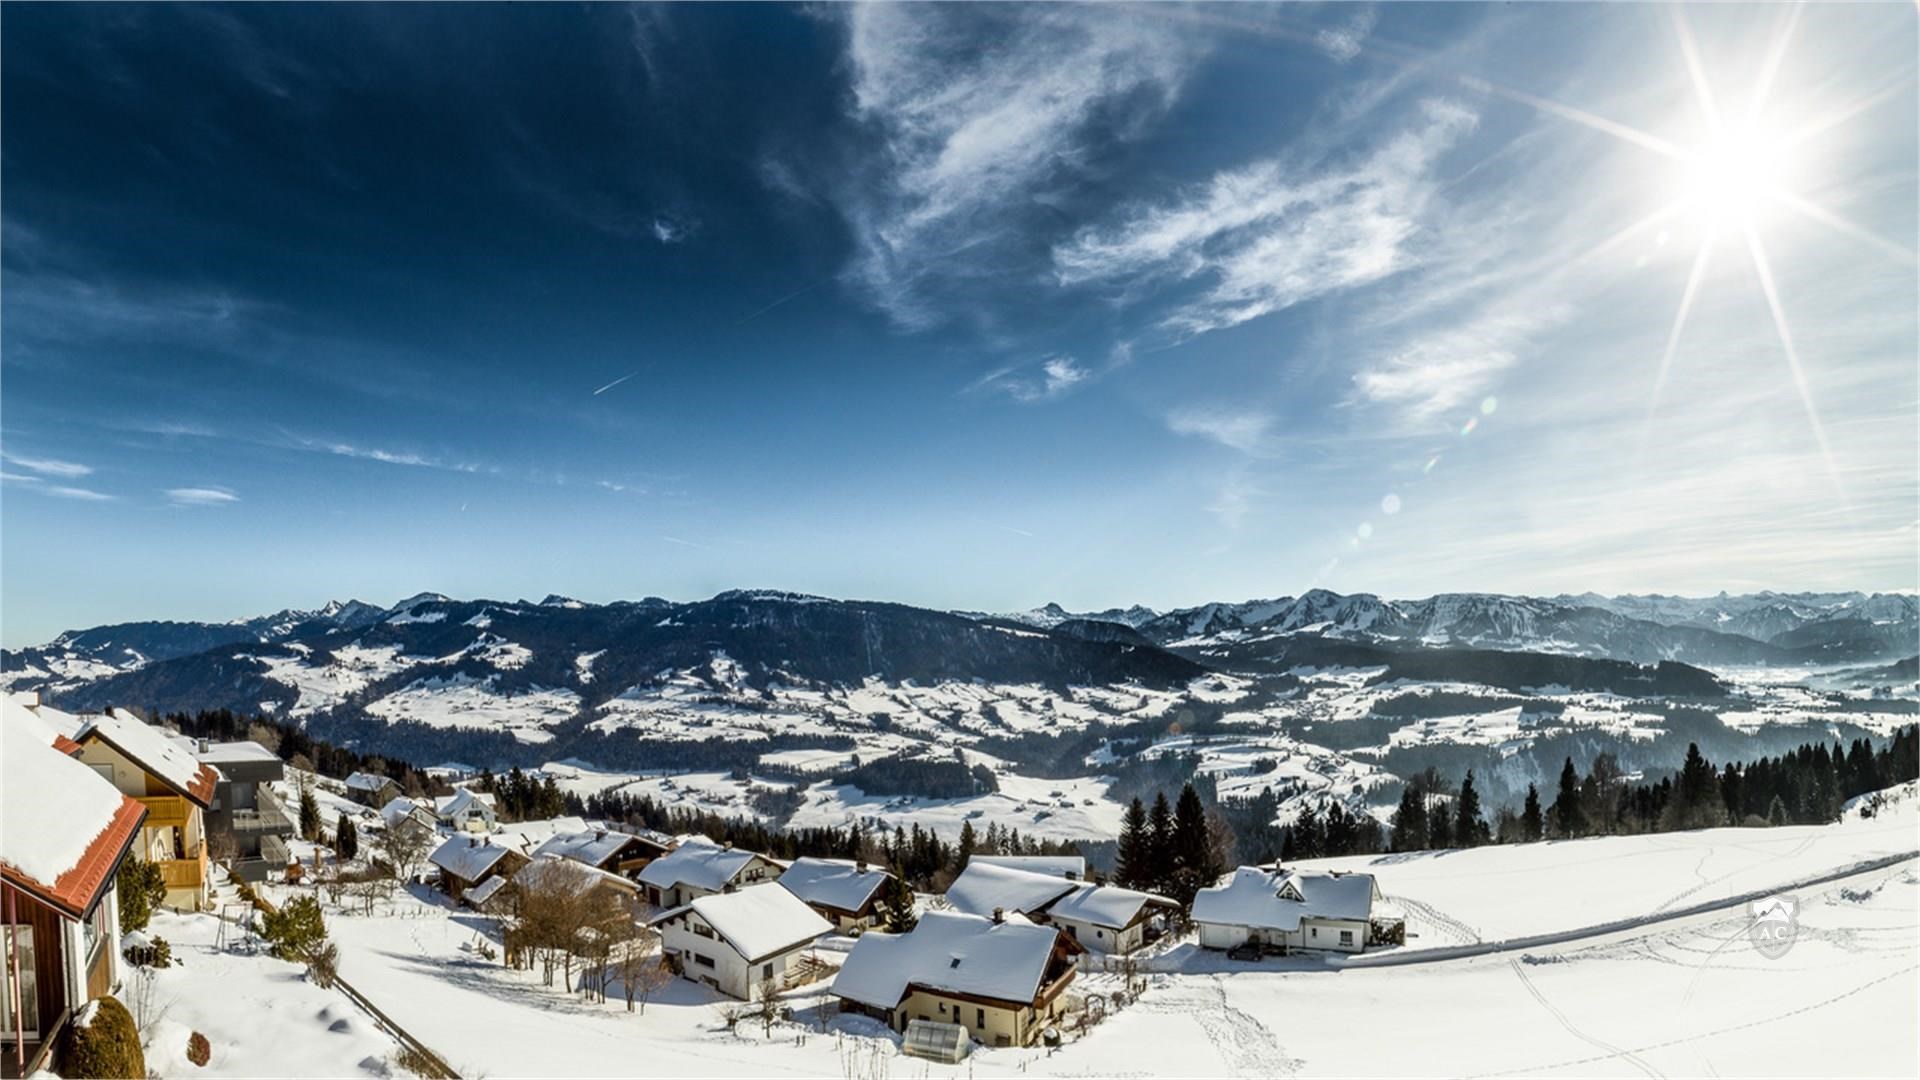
(392, 457)
(671, 231)
(201, 496)
(1445, 368)
(615, 383)
(1240, 429)
(49, 466)
(968, 134)
(1274, 234)
(77, 493)
(1056, 377)
(1343, 43)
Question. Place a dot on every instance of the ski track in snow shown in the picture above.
(1561, 1017)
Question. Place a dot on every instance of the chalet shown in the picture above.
(469, 866)
(1280, 910)
(467, 810)
(844, 892)
(1071, 867)
(408, 816)
(1003, 979)
(742, 942)
(64, 831)
(553, 871)
(371, 789)
(699, 867)
(604, 849)
(1100, 918)
(175, 787)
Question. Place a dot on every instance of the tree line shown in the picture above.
(1172, 849)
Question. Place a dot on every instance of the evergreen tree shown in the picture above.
(1160, 844)
(896, 905)
(1532, 825)
(1133, 859)
(1409, 824)
(1439, 827)
(1194, 864)
(1569, 820)
(964, 851)
(1470, 829)
(309, 815)
(346, 841)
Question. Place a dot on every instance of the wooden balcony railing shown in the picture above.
(165, 810)
(187, 873)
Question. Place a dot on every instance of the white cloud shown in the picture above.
(669, 231)
(50, 466)
(1242, 430)
(81, 494)
(971, 129)
(1058, 375)
(1449, 368)
(201, 496)
(1343, 43)
(1276, 233)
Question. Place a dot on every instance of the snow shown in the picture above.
(354, 668)
(1065, 866)
(950, 951)
(983, 888)
(467, 857)
(461, 701)
(1265, 899)
(698, 862)
(840, 884)
(1104, 905)
(760, 920)
(55, 805)
(409, 617)
(260, 1016)
(592, 846)
(361, 781)
(148, 746)
(583, 664)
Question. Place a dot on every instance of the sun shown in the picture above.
(1735, 177)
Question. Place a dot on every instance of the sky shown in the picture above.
(974, 307)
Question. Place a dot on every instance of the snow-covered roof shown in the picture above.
(365, 781)
(61, 816)
(400, 807)
(984, 886)
(462, 801)
(525, 836)
(840, 884)
(592, 846)
(62, 722)
(151, 749)
(484, 891)
(468, 858)
(949, 951)
(1105, 905)
(698, 862)
(1058, 865)
(226, 753)
(583, 876)
(1264, 899)
(757, 921)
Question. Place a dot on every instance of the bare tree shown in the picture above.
(767, 1008)
(402, 848)
(641, 971)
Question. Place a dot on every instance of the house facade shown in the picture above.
(1278, 910)
(467, 810)
(741, 943)
(605, 849)
(174, 786)
(469, 865)
(1004, 980)
(371, 789)
(247, 828)
(1099, 918)
(699, 867)
(59, 908)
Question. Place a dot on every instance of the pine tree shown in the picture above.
(1160, 844)
(1409, 822)
(1133, 859)
(1532, 826)
(346, 841)
(964, 851)
(1569, 820)
(309, 816)
(1470, 829)
(1193, 863)
(1439, 827)
(896, 905)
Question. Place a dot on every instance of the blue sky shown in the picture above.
(974, 307)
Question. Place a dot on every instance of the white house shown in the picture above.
(1101, 918)
(844, 891)
(1282, 909)
(1004, 980)
(467, 810)
(700, 867)
(1071, 867)
(739, 942)
(406, 815)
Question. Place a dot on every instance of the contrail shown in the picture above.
(782, 300)
(615, 383)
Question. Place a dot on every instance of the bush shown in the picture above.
(323, 965)
(198, 1049)
(103, 1044)
(156, 953)
(142, 889)
(296, 930)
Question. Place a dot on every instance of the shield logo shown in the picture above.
(1773, 924)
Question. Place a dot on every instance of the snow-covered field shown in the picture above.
(1686, 996)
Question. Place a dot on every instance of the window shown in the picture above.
(1346, 937)
(980, 1018)
(943, 1008)
(703, 961)
(766, 971)
(1316, 931)
(17, 941)
(93, 929)
(106, 771)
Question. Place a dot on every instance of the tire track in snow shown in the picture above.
(1465, 934)
(1612, 1050)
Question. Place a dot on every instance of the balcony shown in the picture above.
(164, 811)
(187, 873)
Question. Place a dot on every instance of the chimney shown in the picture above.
(599, 834)
(859, 866)
(999, 915)
(728, 846)
(473, 841)
(203, 746)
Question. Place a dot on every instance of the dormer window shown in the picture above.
(954, 963)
